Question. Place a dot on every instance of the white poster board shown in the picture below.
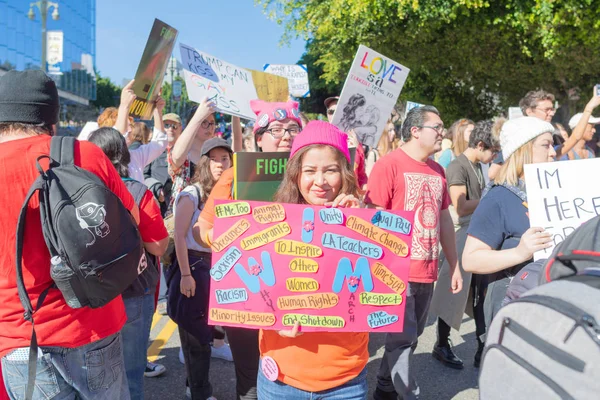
(297, 76)
(514, 112)
(230, 87)
(561, 196)
(54, 51)
(410, 105)
(369, 95)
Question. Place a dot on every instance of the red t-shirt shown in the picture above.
(359, 166)
(152, 226)
(56, 324)
(399, 182)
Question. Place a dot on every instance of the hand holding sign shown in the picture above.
(205, 108)
(533, 240)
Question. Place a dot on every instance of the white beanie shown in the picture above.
(517, 132)
(577, 117)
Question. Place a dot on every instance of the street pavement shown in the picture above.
(437, 382)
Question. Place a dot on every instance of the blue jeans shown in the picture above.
(91, 372)
(135, 335)
(355, 389)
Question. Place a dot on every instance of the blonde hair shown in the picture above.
(385, 145)
(513, 168)
(457, 130)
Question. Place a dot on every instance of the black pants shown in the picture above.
(478, 289)
(197, 365)
(246, 356)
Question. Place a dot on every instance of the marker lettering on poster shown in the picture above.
(269, 213)
(370, 231)
(230, 235)
(232, 209)
(344, 243)
(271, 166)
(269, 235)
(301, 285)
(229, 296)
(386, 276)
(331, 216)
(296, 248)
(381, 318)
(379, 65)
(380, 299)
(391, 222)
(242, 317)
(225, 263)
(304, 265)
(317, 301)
(320, 321)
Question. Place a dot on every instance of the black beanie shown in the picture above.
(28, 97)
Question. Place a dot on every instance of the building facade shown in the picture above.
(21, 44)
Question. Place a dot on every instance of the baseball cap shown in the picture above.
(215, 143)
(577, 117)
(172, 117)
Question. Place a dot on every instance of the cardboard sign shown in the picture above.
(270, 87)
(559, 200)
(297, 76)
(230, 87)
(257, 175)
(514, 112)
(151, 71)
(332, 269)
(369, 95)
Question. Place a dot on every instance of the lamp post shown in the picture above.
(44, 6)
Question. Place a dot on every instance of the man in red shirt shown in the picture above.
(80, 349)
(408, 179)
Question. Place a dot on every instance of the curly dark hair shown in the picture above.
(482, 133)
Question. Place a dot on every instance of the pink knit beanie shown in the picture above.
(321, 132)
(267, 112)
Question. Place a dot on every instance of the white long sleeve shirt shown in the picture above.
(147, 153)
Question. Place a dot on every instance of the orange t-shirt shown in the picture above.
(221, 191)
(316, 361)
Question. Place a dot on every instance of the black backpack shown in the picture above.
(94, 243)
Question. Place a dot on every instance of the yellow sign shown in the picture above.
(266, 236)
(304, 265)
(386, 276)
(319, 321)
(296, 248)
(242, 317)
(372, 232)
(301, 285)
(317, 301)
(230, 235)
(269, 213)
(232, 209)
(380, 299)
(271, 87)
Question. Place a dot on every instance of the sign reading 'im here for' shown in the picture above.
(331, 269)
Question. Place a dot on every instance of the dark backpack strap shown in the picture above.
(62, 150)
(23, 295)
(136, 189)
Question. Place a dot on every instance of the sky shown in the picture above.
(234, 30)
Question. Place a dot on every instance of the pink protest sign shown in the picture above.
(331, 269)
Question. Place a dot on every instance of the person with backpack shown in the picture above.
(500, 241)
(316, 364)
(139, 297)
(189, 278)
(276, 127)
(79, 350)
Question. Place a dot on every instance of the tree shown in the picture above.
(469, 58)
(107, 93)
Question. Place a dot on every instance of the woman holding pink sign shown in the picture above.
(296, 365)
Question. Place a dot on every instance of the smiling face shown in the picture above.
(220, 160)
(273, 140)
(320, 178)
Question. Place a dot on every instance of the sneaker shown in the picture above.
(153, 370)
(162, 308)
(223, 352)
(181, 359)
(381, 395)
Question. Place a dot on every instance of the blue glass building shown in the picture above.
(21, 44)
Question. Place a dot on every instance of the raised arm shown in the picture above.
(237, 141)
(127, 98)
(184, 143)
(578, 131)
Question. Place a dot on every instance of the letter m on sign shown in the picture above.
(256, 272)
(353, 278)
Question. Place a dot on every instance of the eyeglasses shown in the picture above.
(548, 110)
(207, 125)
(331, 111)
(171, 126)
(439, 129)
(278, 133)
